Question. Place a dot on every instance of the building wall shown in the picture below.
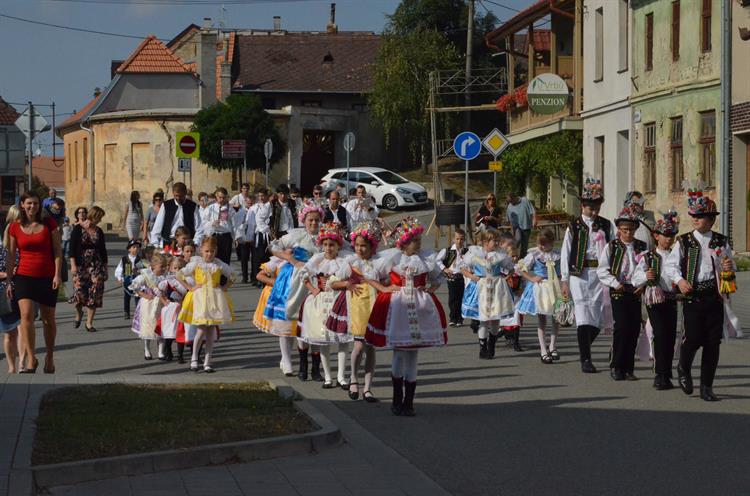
(151, 91)
(740, 128)
(132, 155)
(740, 54)
(674, 88)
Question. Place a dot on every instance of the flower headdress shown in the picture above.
(307, 208)
(592, 190)
(406, 230)
(698, 204)
(332, 231)
(368, 230)
(635, 201)
(627, 214)
(668, 224)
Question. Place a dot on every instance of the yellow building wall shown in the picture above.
(132, 155)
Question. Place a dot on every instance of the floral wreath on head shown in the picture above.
(307, 208)
(407, 229)
(368, 230)
(668, 224)
(592, 190)
(332, 231)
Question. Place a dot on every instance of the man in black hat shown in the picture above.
(694, 265)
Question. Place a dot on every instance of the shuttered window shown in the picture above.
(649, 41)
(676, 30)
(706, 26)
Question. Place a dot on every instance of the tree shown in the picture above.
(239, 117)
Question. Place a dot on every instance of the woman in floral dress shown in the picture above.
(88, 264)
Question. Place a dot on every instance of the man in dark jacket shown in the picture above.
(335, 212)
(284, 213)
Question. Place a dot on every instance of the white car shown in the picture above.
(390, 190)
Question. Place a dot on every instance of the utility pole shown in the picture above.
(469, 53)
(31, 140)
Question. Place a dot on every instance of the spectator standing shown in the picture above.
(133, 216)
(36, 279)
(361, 208)
(177, 212)
(488, 216)
(335, 211)
(283, 212)
(521, 217)
(49, 204)
(88, 264)
(153, 211)
(80, 215)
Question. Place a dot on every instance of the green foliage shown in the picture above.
(38, 187)
(239, 117)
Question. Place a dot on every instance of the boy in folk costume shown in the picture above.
(127, 270)
(702, 267)
(659, 297)
(617, 263)
(635, 201)
(451, 266)
(584, 240)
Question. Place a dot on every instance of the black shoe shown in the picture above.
(658, 381)
(547, 358)
(329, 385)
(369, 397)
(554, 354)
(244, 281)
(629, 376)
(77, 324)
(665, 384)
(353, 395)
(707, 393)
(491, 345)
(303, 363)
(398, 395)
(483, 349)
(516, 344)
(410, 389)
(587, 367)
(617, 374)
(127, 316)
(315, 371)
(685, 380)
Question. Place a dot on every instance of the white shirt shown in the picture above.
(219, 220)
(455, 267)
(708, 261)
(202, 212)
(286, 222)
(258, 220)
(178, 221)
(240, 198)
(627, 268)
(591, 248)
(119, 270)
(359, 211)
(665, 281)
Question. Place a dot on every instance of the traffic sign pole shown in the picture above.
(466, 195)
(31, 140)
(348, 146)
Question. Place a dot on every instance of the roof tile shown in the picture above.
(8, 115)
(152, 56)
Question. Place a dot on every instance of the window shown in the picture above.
(69, 160)
(599, 29)
(649, 157)
(359, 107)
(76, 153)
(599, 159)
(676, 30)
(623, 35)
(675, 147)
(312, 103)
(649, 41)
(390, 177)
(85, 162)
(707, 143)
(706, 26)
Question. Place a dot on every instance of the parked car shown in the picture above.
(390, 190)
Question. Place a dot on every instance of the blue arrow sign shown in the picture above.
(467, 146)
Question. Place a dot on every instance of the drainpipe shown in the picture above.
(726, 106)
(91, 158)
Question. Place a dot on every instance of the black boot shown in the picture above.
(685, 379)
(168, 349)
(483, 349)
(302, 374)
(707, 393)
(180, 352)
(398, 395)
(408, 410)
(515, 340)
(474, 326)
(315, 371)
(491, 344)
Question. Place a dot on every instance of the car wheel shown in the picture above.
(390, 202)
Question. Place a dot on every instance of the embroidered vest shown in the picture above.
(579, 232)
(617, 250)
(188, 216)
(690, 253)
(451, 256)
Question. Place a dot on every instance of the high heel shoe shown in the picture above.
(32, 370)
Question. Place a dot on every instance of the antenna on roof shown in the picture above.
(222, 17)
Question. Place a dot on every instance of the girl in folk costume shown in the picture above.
(617, 263)
(701, 266)
(351, 310)
(148, 310)
(188, 251)
(407, 315)
(585, 238)
(321, 272)
(207, 305)
(295, 249)
(487, 297)
(541, 268)
(172, 293)
(510, 326)
(267, 275)
(181, 237)
(659, 296)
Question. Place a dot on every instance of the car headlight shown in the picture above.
(403, 191)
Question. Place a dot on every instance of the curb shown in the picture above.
(327, 435)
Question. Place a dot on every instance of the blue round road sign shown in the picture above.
(467, 146)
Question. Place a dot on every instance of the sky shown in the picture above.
(45, 64)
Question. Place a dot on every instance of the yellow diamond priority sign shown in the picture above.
(495, 142)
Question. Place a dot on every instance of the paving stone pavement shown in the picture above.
(502, 427)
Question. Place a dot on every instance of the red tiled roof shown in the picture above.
(522, 20)
(153, 57)
(8, 115)
(50, 173)
(541, 41)
(295, 62)
(78, 115)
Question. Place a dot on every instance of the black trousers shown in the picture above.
(626, 310)
(224, 250)
(126, 302)
(260, 255)
(455, 295)
(246, 251)
(523, 242)
(663, 318)
(704, 323)
(586, 336)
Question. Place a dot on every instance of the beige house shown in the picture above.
(740, 125)
(124, 139)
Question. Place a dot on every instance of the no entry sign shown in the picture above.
(188, 145)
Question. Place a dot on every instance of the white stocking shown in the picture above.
(286, 343)
(326, 362)
(410, 372)
(343, 348)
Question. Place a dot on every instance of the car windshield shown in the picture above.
(390, 178)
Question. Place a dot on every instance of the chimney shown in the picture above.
(97, 92)
(207, 23)
(277, 23)
(332, 28)
(205, 65)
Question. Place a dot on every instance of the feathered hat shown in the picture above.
(668, 224)
(368, 230)
(627, 214)
(332, 231)
(406, 230)
(636, 202)
(307, 208)
(592, 190)
(698, 204)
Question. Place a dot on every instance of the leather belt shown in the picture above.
(591, 263)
